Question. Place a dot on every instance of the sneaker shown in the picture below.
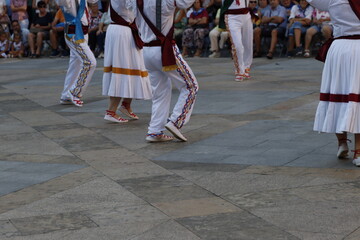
(101, 55)
(158, 137)
(111, 116)
(175, 131)
(239, 78)
(127, 113)
(298, 51)
(75, 100)
(65, 53)
(307, 53)
(66, 102)
(54, 53)
(214, 55)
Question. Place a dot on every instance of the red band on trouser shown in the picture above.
(352, 97)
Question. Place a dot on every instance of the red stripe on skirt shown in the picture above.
(328, 97)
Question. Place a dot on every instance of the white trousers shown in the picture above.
(82, 65)
(161, 83)
(241, 35)
(214, 39)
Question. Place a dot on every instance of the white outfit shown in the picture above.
(125, 74)
(240, 29)
(339, 107)
(183, 78)
(82, 61)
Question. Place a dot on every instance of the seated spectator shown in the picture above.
(57, 35)
(24, 32)
(287, 4)
(39, 30)
(101, 33)
(18, 8)
(253, 5)
(4, 45)
(273, 24)
(95, 17)
(299, 22)
(320, 23)
(214, 37)
(17, 48)
(180, 22)
(4, 18)
(263, 4)
(196, 31)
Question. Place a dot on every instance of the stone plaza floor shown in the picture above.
(252, 169)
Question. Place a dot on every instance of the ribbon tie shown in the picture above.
(79, 35)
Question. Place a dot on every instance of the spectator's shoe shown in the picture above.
(257, 54)
(65, 53)
(239, 78)
(247, 74)
(290, 54)
(298, 51)
(198, 53)
(128, 113)
(270, 55)
(356, 160)
(75, 100)
(214, 55)
(307, 53)
(175, 131)
(54, 53)
(111, 116)
(101, 55)
(158, 137)
(66, 102)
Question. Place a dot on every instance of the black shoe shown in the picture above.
(54, 53)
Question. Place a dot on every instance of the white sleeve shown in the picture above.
(293, 11)
(183, 4)
(322, 5)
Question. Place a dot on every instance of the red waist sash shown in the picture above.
(321, 56)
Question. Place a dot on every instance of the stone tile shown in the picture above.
(68, 133)
(233, 226)
(19, 105)
(30, 143)
(168, 230)
(117, 216)
(11, 98)
(322, 217)
(37, 158)
(15, 176)
(39, 191)
(196, 207)
(95, 194)
(7, 229)
(317, 235)
(201, 166)
(10, 125)
(40, 117)
(315, 160)
(50, 223)
(164, 188)
(44, 128)
(354, 235)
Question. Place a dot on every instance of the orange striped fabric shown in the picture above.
(126, 71)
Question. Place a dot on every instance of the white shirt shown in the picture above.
(70, 7)
(167, 16)
(297, 12)
(125, 8)
(343, 18)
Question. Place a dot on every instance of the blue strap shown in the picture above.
(79, 35)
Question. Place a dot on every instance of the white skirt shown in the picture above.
(124, 69)
(339, 107)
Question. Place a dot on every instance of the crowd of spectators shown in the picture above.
(283, 25)
(28, 27)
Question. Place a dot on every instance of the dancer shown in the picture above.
(235, 15)
(125, 75)
(165, 64)
(338, 110)
(82, 61)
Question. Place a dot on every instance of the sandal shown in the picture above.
(269, 55)
(307, 53)
(343, 148)
(257, 54)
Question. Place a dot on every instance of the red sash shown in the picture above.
(120, 21)
(167, 42)
(242, 11)
(355, 5)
